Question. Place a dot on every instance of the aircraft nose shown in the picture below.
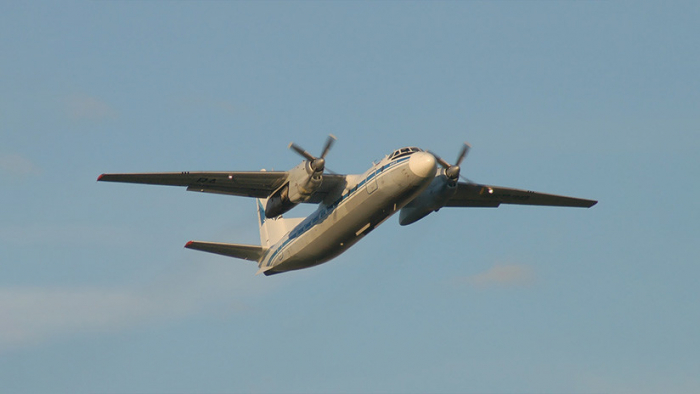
(423, 164)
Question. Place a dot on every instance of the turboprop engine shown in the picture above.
(302, 181)
(436, 195)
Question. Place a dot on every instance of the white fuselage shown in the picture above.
(345, 217)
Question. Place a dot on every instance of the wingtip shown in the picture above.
(99, 178)
(189, 244)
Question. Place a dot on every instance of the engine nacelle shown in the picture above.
(302, 183)
(279, 202)
(431, 200)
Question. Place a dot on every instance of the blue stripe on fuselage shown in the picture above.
(325, 211)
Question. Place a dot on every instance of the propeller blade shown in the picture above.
(440, 160)
(329, 142)
(452, 170)
(466, 179)
(298, 149)
(463, 153)
(317, 163)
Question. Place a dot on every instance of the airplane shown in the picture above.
(410, 180)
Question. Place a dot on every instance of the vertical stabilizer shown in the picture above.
(263, 222)
(272, 230)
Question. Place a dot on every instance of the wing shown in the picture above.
(250, 184)
(332, 183)
(259, 184)
(476, 195)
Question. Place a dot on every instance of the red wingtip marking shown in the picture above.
(187, 245)
(99, 178)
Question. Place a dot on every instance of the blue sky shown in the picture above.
(595, 99)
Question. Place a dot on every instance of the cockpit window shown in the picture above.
(404, 152)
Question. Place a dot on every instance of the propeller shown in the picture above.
(452, 170)
(318, 164)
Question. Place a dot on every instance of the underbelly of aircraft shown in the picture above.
(336, 234)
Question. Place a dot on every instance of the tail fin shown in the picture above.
(263, 223)
(272, 230)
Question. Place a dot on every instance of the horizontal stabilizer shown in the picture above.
(246, 252)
